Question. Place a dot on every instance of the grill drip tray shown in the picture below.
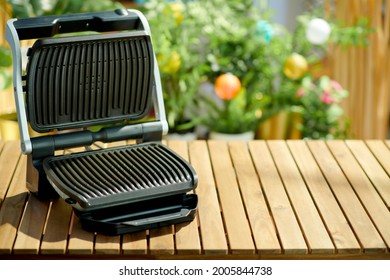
(125, 189)
(140, 216)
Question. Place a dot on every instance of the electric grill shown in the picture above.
(109, 79)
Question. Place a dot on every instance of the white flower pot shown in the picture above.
(245, 136)
(189, 136)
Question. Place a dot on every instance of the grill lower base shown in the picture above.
(125, 189)
(118, 176)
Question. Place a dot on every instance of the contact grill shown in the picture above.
(99, 87)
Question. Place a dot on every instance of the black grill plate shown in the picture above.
(117, 176)
(89, 80)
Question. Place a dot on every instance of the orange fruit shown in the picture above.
(227, 86)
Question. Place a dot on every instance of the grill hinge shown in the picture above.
(45, 146)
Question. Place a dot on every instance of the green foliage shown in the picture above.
(5, 57)
(5, 63)
(241, 114)
(355, 35)
(34, 8)
(177, 40)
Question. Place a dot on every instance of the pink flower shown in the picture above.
(326, 98)
(300, 92)
(335, 85)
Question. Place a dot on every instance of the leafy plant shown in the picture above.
(177, 40)
(34, 8)
(321, 113)
(236, 115)
(5, 63)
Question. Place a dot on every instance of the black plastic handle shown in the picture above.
(48, 26)
(183, 213)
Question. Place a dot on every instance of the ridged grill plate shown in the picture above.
(86, 80)
(115, 176)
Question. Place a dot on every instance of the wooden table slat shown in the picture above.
(9, 157)
(381, 152)
(354, 211)
(286, 223)
(333, 217)
(186, 235)
(135, 243)
(55, 237)
(312, 225)
(13, 207)
(363, 187)
(161, 241)
(31, 228)
(80, 242)
(373, 169)
(237, 227)
(209, 214)
(262, 225)
(107, 245)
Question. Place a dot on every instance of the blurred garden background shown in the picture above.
(266, 69)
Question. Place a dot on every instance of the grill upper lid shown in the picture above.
(89, 80)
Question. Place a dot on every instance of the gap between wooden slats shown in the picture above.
(313, 228)
(262, 225)
(80, 241)
(363, 187)
(31, 228)
(289, 232)
(55, 237)
(335, 222)
(12, 207)
(236, 222)
(212, 232)
(381, 152)
(187, 238)
(373, 169)
(346, 197)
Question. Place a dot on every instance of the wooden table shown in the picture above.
(258, 200)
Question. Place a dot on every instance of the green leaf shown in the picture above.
(5, 57)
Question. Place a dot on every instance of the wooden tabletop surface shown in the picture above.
(261, 199)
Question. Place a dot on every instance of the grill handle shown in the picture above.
(158, 219)
(48, 26)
